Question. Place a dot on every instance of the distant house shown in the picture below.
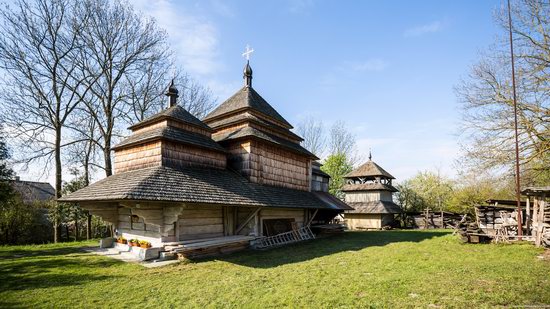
(369, 191)
(37, 195)
(238, 175)
(33, 191)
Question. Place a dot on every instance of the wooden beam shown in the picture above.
(311, 218)
(242, 225)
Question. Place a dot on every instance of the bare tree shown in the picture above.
(84, 155)
(119, 44)
(313, 133)
(40, 86)
(194, 97)
(342, 141)
(486, 96)
(146, 96)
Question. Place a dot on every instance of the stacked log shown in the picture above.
(328, 229)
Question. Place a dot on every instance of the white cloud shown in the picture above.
(432, 27)
(194, 39)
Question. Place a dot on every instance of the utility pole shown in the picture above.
(518, 197)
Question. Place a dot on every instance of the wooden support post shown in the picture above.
(311, 219)
(426, 218)
(528, 216)
(242, 225)
(540, 222)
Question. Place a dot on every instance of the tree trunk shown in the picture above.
(76, 231)
(58, 175)
(89, 227)
(107, 157)
(86, 183)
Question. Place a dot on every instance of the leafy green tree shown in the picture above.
(337, 165)
(408, 198)
(471, 191)
(429, 189)
(19, 222)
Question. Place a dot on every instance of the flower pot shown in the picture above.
(145, 246)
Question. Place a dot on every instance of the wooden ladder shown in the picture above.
(289, 237)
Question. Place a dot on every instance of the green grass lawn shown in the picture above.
(356, 269)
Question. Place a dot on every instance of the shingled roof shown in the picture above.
(375, 207)
(253, 132)
(369, 169)
(32, 191)
(248, 117)
(193, 185)
(370, 186)
(175, 112)
(246, 98)
(171, 134)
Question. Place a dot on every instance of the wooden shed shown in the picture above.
(184, 184)
(369, 191)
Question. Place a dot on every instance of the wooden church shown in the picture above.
(237, 176)
(369, 191)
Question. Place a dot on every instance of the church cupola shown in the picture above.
(172, 94)
(247, 75)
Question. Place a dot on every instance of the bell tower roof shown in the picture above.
(369, 169)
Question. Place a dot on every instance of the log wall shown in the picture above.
(197, 222)
(138, 157)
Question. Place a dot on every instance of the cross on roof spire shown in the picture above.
(248, 51)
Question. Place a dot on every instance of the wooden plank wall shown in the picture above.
(270, 165)
(160, 124)
(239, 157)
(196, 222)
(372, 196)
(189, 128)
(179, 155)
(274, 166)
(363, 221)
(242, 214)
(139, 228)
(282, 213)
(228, 129)
(173, 123)
(137, 157)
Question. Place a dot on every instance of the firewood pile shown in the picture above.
(429, 219)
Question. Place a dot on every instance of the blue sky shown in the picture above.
(387, 68)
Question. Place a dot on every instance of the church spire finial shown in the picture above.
(172, 93)
(247, 74)
(370, 155)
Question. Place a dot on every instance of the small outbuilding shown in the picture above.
(369, 191)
